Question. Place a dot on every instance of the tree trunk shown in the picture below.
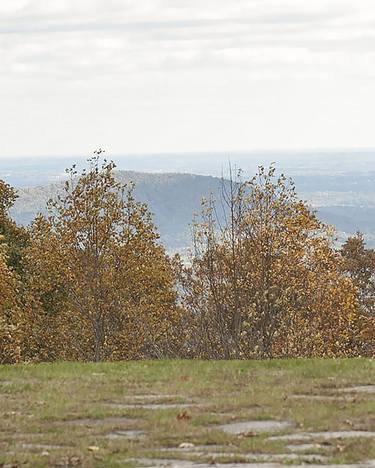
(98, 339)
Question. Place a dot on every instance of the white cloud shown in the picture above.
(199, 59)
(112, 33)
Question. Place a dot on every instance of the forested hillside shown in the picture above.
(345, 201)
(172, 198)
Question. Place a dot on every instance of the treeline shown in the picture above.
(90, 281)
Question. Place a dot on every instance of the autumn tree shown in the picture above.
(13, 240)
(101, 286)
(358, 263)
(15, 237)
(264, 279)
(10, 323)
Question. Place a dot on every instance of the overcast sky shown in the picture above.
(185, 75)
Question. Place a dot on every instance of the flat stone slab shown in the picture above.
(97, 422)
(259, 457)
(196, 448)
(303, 447)
(359, 389)
(255, 426)
(42, 446)
(154, 397)
(285, 457)
(129, 435)
(323, 398)
(189, 464)
(153, 406)
(6, 382)
(327, 435)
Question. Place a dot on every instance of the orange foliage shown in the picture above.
(266, 281)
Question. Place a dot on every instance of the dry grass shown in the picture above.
(68, 406)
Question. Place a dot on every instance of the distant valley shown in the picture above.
(346, 201)
(172, 199)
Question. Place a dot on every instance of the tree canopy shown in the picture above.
(91, 281)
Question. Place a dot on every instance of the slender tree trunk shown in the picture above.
(98, 339)
(97, 351)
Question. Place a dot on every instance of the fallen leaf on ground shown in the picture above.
(248, 434)
(186, 445)
(93, 448)
(183, 416)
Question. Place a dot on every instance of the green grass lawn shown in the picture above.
(61, 414)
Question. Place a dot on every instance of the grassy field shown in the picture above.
(109, 415)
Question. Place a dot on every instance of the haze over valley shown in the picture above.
(340, 185)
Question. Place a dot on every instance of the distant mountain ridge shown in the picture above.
(34, 171)
(172, 199)
(346, 201)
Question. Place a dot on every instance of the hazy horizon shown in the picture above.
(303, 151)
(31, 172)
